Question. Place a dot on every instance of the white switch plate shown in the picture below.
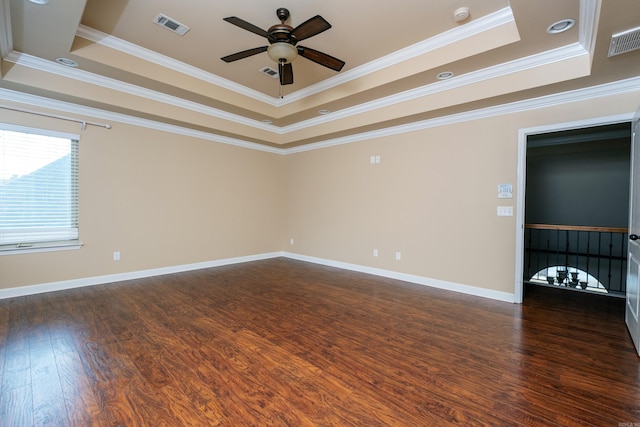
(505, 210)
(375, 252)
(398, 255)
(116, 256)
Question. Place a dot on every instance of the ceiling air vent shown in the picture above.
(171, 24)
(625, 42)
(269, 72)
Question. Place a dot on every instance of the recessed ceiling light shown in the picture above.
(561, 26)
(324, 112)
(66, 61)
(39, 1)
(445, 75)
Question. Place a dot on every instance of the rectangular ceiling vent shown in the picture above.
(625, 42)
(269, 72)
(171, 24)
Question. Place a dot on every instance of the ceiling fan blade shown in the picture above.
(246, 25)
(310, 28)
(244, 54)
(321, 58)
(286, 73)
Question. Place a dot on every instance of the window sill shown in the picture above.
(39, 247)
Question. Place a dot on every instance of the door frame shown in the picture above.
(521, 174)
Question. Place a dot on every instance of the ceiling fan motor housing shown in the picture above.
(282, 40)
(281, 33)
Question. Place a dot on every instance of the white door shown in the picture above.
(632, 311)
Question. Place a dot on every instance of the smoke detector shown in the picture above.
(460, 14)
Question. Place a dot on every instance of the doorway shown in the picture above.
(573, 191)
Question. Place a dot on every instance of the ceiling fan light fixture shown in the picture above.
(282, 52)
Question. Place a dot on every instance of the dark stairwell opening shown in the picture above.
(577, 209)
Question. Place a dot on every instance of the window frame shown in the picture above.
(48, 245)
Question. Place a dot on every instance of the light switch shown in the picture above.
(505, 210)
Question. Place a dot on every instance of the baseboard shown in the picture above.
(419, 280)
(110, 278)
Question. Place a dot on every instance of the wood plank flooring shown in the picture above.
(287, 343)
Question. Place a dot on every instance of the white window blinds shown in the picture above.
(38, 188)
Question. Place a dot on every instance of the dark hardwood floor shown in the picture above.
(287, 343)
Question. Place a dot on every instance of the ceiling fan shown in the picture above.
(282, 44)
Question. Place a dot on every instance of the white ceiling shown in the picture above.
(393, 53)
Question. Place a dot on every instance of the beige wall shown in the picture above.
(160, 199)
(164, 200)
(433, 197)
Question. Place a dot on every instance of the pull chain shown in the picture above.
(280, 69)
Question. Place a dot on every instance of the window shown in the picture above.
(38, 188)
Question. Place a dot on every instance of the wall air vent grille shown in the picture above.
(171, 24)
(625, 42)
(269, 72)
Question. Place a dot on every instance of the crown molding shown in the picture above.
(475, 27)
(6, 38)
(58, 106)
(588, 9)
(608, 89)
(439, 41)
(112, 42)
(519, 65)
(109, 83)
(589, 13)
(500, 70)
